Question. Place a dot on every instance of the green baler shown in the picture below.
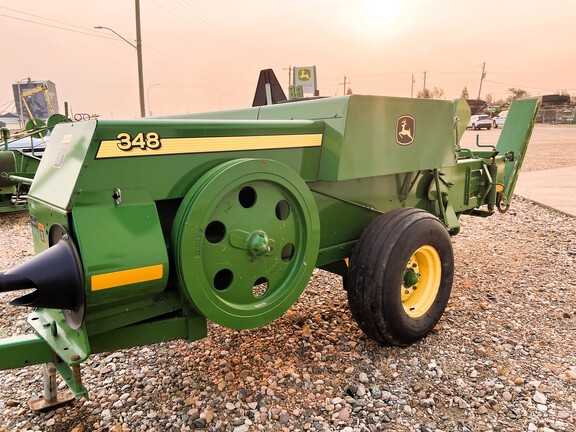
(145, 229)
(17, 168)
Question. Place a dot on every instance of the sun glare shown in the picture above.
(381, 13)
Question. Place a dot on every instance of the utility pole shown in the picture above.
(139, 54)
(482, 79)
(424, 89)
(344, 85)
(412, 87)
(289, 75)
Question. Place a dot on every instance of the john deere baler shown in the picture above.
(145, 229)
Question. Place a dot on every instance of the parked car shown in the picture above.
(500, 119)
(481, 121)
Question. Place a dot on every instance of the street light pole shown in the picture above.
(148, 98)
(221, 96)
(138, 48)
(117, 34)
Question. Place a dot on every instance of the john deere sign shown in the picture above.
(305, 77)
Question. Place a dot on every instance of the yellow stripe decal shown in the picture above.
(170, 146)
(126, 277)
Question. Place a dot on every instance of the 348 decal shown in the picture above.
(149, 141)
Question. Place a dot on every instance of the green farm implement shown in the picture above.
(17, 169)
(146, 229)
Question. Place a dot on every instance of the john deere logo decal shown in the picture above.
(304, 75)
(405, 130)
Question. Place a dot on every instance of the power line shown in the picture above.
(222, 30)
(92, 33)
(517, 85)
(221, 34)
(176, 15)
(56, 27)
(8, 107)
(211, 72)
(44, 18)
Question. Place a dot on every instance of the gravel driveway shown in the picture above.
(503, 357)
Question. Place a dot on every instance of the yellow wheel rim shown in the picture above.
(421, 281)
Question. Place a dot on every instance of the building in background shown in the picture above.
(36, 98)
(11, 121)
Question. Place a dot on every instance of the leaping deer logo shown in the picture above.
(405, 132)
(405, 127)
(304, 75)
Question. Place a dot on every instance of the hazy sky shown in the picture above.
(206, 54)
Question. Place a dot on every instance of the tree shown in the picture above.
(436, 93)
(489, 99)
(516, 93)
(464, 93)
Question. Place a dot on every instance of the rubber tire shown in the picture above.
(489, 127)
(376, 273)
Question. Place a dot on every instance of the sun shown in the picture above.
(381, 13)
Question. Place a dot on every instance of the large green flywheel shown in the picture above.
(246, 239)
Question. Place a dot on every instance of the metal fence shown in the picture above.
(557, 116)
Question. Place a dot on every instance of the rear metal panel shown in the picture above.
(364, 136)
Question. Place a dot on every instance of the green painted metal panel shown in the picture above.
(374, 141)
(192, 328)
(332, 112)
(72, 156)
(42, 217)
(71, 345)
(122, 245)
(7, 165)
(514, 138)
(26, 350)
(62, 163)
(236, 114)
(110, 316)
(27, 161)
(364, 136)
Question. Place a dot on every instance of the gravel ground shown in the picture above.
(503, 357)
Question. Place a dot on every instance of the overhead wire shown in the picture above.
(48, 19)
(517, 85)
(222, 36)
(94, 33)
(212, 73)
(224, 33)
(84, 31)
(222, 30)
(7, 107)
